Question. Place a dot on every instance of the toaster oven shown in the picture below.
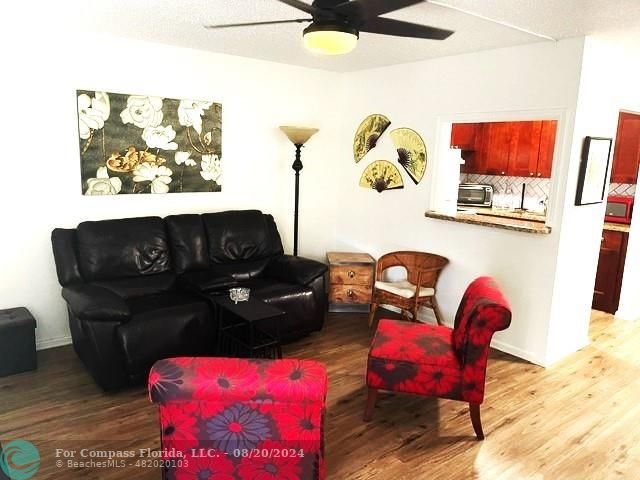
(475, 194)
(619, 209)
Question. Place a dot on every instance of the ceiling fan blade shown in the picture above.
(305, 7)
(251, 24)
(366, 9)
(398, 28)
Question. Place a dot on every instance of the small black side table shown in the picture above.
(248, 329)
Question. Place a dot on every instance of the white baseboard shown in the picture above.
(53, 342)
(518, 352)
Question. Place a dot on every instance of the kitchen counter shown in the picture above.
(495, 221)
(616, 227)
(517, 214)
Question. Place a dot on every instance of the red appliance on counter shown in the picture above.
(619, 209)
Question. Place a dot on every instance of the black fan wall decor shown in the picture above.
(336, 24)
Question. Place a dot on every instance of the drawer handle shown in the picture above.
(603, 239)
(350, 293)
(351, 274)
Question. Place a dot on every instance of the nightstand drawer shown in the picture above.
(350, 294)
(351, 274)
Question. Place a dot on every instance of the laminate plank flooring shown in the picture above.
(578, 420)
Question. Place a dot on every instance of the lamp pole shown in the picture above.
(298, 136)
(297, 166)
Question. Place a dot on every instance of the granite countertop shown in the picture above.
(495, 221)
(517, 214)
(616, 227)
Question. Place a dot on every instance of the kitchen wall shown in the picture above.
(622, 189)
(508, 190)
(41, 174)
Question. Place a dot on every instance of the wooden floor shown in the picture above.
(577, 420)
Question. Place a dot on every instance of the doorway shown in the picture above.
(618, 214)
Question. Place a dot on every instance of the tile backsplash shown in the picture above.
(509, 189)
(622, 189)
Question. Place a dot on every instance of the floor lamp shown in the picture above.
(298, 136)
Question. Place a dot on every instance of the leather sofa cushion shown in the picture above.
(188, 242)
(205, 282)
(165, 326)
(139, 286)
(241, 235)
(121, 248)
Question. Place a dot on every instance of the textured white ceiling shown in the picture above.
(180, 23)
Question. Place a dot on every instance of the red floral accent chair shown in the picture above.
(436, 360)
(239, 419)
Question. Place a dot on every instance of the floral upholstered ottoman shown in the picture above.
(240, 419)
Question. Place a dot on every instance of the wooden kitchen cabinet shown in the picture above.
(546, 148)
(516, 149)
(626, 155)
(463, 135)
(492, 155)
(613, 250)
(525, 147)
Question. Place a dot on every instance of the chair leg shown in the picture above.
(372, 312)
(371, 403)
(436, 311)
(474, 412)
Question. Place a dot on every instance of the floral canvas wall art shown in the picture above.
(144, 144)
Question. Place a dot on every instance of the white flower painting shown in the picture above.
(159, 177)
(143, 112)
(160, 137)
(92, 113)
(190, 113)
(133, 144)
(102, 184)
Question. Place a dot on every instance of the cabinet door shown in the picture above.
(547, 147)
(463, 135)
(626, 156)
(606, 295)
(525, 144)
(496, 147)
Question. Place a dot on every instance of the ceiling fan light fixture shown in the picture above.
(330, 38)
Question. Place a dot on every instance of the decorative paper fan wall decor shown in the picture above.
(367, 135)
(381, 175)
(412, 153)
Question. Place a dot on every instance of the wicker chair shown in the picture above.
(418, 290)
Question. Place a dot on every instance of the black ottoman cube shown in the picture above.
(17, 341)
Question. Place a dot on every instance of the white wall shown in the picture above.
(619, 54)
(508, 83)
(609, 83)
(42, 191)
(41, 180)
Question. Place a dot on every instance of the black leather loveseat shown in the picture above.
(134, 287)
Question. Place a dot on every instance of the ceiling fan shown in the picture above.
(336, 24)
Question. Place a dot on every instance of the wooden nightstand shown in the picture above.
(351, 277)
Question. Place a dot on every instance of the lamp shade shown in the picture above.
(298, 135)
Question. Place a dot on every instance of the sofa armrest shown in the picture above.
(90, 302)
(288, 268)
